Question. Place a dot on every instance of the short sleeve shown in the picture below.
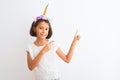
(56, 46)
(29, 49)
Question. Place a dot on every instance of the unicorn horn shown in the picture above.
(44, 13)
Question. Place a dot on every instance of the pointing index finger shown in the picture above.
(76, 32)
(51, 42)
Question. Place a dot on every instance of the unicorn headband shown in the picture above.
(44, 15)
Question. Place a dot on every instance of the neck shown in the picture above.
(40, 42)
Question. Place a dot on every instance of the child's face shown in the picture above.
(42, 30)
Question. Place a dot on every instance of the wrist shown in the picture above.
(42, 52)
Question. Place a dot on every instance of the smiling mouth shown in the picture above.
(42, 34)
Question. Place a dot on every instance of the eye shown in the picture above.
(46, 29)
(40, 28)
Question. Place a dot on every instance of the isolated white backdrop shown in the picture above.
(97, 54)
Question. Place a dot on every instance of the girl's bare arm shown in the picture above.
(32, 63)
(69, 55)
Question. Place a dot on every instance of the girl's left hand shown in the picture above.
(76, 37)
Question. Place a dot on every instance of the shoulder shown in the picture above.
(55, 45)
(29, 46)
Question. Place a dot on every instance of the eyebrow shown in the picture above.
(44, 26)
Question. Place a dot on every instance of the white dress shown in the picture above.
(47, 68)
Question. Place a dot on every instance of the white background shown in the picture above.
(97, 54)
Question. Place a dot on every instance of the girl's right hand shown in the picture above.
(47, 47)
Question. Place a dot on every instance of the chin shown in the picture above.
(43, 37)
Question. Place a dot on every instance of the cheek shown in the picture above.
(48, 32)
(38, 31)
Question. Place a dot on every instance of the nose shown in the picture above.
(43, 30)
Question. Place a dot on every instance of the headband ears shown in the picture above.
(45, 10)
(43, 16)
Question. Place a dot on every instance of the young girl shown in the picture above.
(42, 53)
